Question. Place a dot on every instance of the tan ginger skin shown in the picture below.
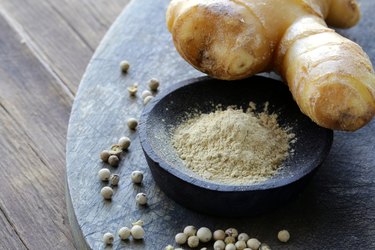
(330, 77)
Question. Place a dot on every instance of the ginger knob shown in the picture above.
(330, 77)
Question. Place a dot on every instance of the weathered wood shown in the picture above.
(43, 50)
(9, 237)
(34, 115)
(336, 211)
(63, 34)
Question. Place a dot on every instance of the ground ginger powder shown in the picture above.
(232, 146)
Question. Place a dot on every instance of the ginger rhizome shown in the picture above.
(330, 77)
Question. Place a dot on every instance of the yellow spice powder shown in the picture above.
(232, 146)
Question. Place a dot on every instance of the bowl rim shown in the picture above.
(202, 183)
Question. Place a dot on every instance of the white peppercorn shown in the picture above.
(114, 179)
(104, 155)
(264, 246)
(147, 99)
(178, 249)
(124, 65)
(104, 174)
(193, 241)
(190, 231)
(243, 236)
(116, 149)
(180, 238)
(113, 160)
(240, 245)
(146, 93)
(137, 232)
(107, 193)
(229, 239)
(138, 222)
(153, 84)
(133, 89)
(219, 245)
(247, 248)
(231, 232)
(283, 236)
(204, 234)
(253, 243)
(230, 246)
(204, 248)
(137, 177)
(132, 123)
(141, 198)
(124, 233)
(169, 247)
(108, 238)
(219, 235)
(124, 142)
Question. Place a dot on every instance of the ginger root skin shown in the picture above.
(330, 77)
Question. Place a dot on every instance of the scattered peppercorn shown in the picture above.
(264, 246)
(113, 160)
(204, 234)
(104, 155)
(133, 89)
(124, 142)
(253, 243)
(153, 84)
(169, 247)
(146, 93)
(219, 245)
(137, 232)
(107, 193)
(230, 246)
(231, 232)
(141, 198)
(138, 222)
(137, 177)
(219, 235)
(180, 238)
(114, 179)
(240, 245)
(193, 241)
(124, 233)
(283, 236)
(229, 239)
(104, 174)
(132, 123)
(147, 99)
(243, 236)
(124, 65)
(190, 231)
(108, 238)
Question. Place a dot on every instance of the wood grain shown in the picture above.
(63, 34)
(336, 211)
(10, 239)
(42, 57)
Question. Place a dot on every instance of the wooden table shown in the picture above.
(45, 47)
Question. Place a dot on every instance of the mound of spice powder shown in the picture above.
(232, 146)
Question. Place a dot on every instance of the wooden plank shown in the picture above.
(9, 237)
(34, 114)
(63, 34)
(336, 211)
(31, 191)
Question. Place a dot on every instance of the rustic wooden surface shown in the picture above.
(44, 49)
(336, 211)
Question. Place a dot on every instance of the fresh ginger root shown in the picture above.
(330, 77)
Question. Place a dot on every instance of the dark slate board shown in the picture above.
(335, 211)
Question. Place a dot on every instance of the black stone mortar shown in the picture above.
(169, 108)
